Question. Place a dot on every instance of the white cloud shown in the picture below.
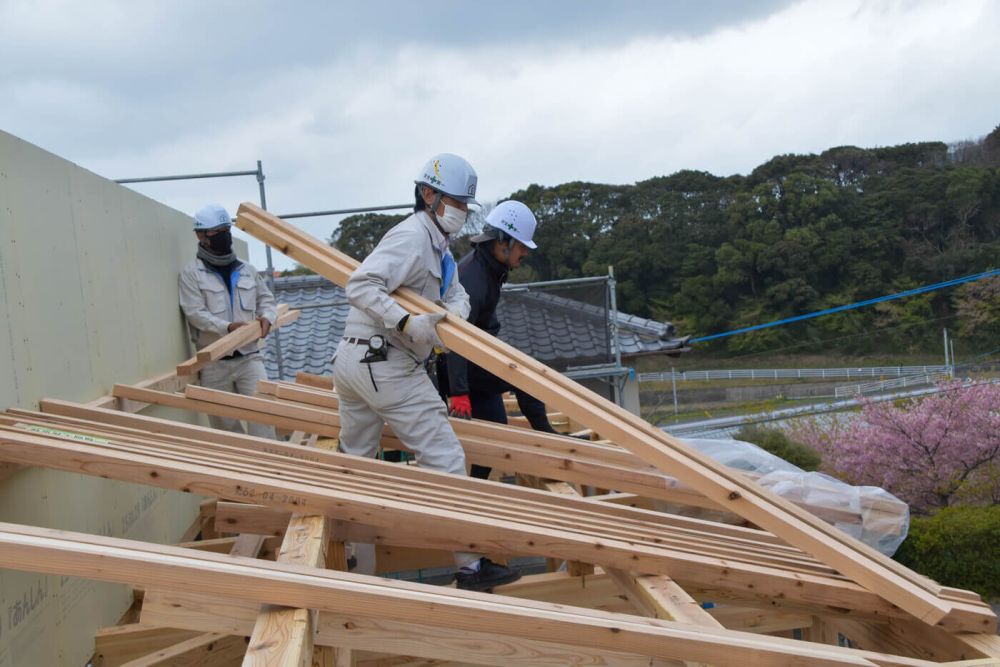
(351, 129)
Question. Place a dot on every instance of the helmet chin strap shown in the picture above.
(432, 212)
(506, 241)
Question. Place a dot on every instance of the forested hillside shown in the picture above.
(800, 233)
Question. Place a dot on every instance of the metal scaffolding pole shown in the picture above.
(344, 211)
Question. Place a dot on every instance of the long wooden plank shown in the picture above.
(658, 596)
(206, 650)
(295, 450)
(366, 486)
(765, 621)
(556, 457)
(145, 423)
(742, 548)
(110, 559)
(747, 539)
(766, 509)
(234, 340)
(907, 638)
(168, 382)
(119, 644)
(201, 612)
(212, 408)
(234, 402)
(410, 526)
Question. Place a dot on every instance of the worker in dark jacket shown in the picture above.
(473, 391)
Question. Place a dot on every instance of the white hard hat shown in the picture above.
(211, 216)
(452, 175)
(515, 219)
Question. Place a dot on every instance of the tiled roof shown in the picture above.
(558, 331)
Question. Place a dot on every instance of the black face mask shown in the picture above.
(221, 243)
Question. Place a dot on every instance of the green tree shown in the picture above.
(358, 235)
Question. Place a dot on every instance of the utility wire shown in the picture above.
(827, 341)
(851, 306)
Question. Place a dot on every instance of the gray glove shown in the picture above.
(421, 331)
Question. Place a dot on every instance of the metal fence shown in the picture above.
(914, 380)
(793, 373)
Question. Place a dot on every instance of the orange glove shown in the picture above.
(461, 407)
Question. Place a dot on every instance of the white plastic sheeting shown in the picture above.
(868, 513)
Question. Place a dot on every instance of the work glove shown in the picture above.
(461, 407)
(420, 329)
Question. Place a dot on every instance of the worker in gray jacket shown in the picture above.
(379, 365)
(218, 294)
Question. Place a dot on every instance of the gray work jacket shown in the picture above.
(210, 307)
(409, 255)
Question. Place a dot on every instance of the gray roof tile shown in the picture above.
(558, 331)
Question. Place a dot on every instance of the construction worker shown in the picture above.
(379, 365)
(219, 294)
(500, 248)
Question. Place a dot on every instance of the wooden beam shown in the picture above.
(284, 635)
(168, 382)
(234, 340)
(110, 559)
(558, 457)
(747, 539)
(247, 546)
(216, 614)
(204, 650)
(389, 558)
(237, 478)
(914, 639)
(658, 596)
(311, 380)
(448, 482)
(121, 643)
(863, 564)
(763, 621)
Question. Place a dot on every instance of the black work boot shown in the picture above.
(489, 575)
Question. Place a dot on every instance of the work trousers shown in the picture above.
(397, 392)
(486, 397)
(240, 376)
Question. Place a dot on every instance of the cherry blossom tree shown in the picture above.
(932, 451)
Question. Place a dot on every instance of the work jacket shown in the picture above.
(482, 276)
(210, 306)
(408, 256)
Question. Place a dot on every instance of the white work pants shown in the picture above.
(407, 401)
(239, 376)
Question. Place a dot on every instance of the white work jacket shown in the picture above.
(409, 255)
(210, 307)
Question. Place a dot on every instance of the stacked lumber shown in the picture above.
(367, 611)
(406, 506)
(732, 491)
(402, 505)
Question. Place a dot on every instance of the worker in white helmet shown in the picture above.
(219, 294)
(379, 365)
(474, 392)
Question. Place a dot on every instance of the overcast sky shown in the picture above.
(343, 102)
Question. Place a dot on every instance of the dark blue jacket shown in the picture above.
(482, 276)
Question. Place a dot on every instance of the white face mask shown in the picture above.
(453, 219)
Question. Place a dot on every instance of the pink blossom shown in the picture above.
(931, 451)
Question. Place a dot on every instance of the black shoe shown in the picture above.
(489, 575)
